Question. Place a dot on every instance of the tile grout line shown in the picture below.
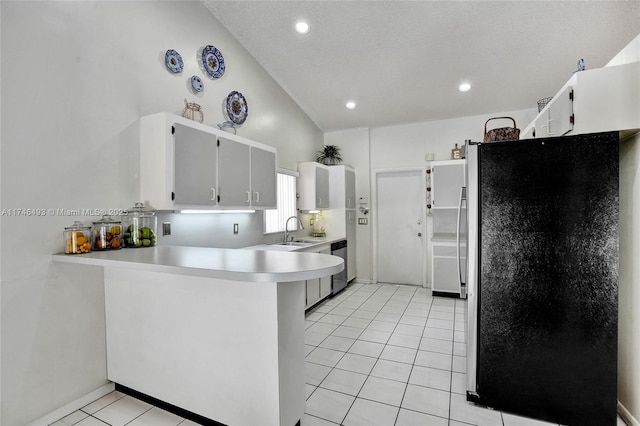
(413, 363)
(369, 374)
(413, 299)
(334, 367)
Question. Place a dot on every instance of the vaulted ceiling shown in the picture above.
(402, 61)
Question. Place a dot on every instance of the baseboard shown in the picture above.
(362, 281)
(73, 406)
(626, 416)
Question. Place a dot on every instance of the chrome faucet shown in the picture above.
(286, 227)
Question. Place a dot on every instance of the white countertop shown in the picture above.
(232, 264)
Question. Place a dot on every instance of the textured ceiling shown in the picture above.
(401, 61)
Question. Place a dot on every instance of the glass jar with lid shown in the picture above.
(77, 238)
(106, 234)
(140, 225)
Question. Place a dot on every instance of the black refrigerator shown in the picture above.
(542, 277)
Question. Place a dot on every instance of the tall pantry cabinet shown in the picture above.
(341, 219)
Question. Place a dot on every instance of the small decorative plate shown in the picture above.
(237, 108)
(213, 61)
(173, 61)
(197, 83)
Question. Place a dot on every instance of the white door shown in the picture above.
(400, 227)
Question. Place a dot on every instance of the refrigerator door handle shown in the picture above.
(463, 199)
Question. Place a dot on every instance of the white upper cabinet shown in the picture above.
(187, 165)
(604, 99)
(447, 178)
(313, 186)
(556, 119)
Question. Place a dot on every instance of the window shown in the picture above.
(275, 220)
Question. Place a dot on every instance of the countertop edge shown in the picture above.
(327, 266)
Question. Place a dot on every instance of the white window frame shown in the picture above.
(274, 220)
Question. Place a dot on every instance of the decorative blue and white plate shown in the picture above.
(213, 61)
(237, 108)
(197, 83)
(173, 61)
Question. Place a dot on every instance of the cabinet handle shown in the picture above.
(319, 201)
(257, 197)
(348, 202)
(248, 200)
(213, 194)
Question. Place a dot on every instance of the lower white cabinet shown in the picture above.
(325, 282)
(351, 244)
(318, 288)
(446, 275)
(313, 292)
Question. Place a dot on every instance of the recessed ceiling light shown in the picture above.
(302, 27)
(464, 87)
(351, 105)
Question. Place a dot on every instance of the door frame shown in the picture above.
(423, 217)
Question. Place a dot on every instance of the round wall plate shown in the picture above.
(213, 61)
(237, 108)
(173, 61)
(197, 84)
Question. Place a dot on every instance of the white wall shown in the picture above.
(403, 146)
(629, 290)
(75, 78)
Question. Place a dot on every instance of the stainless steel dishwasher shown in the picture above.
(339, 280)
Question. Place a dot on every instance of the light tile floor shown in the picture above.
(376, 354)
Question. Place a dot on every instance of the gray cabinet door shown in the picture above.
(263, 178)
(322, 188)
(234, 184)
(350, 189)
(194, 166)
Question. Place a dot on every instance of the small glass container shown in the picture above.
(140, 226)
(77, 238)
(106, 234)
(319, 226)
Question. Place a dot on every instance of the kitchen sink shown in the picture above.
(293, 243)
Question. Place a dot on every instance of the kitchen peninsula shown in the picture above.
(217, 332)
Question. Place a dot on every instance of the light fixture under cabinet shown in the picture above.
(197, 211)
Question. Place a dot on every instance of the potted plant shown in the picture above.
(330, 154)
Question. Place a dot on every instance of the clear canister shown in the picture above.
(106, 234)
(77, 238)
(140, 227)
